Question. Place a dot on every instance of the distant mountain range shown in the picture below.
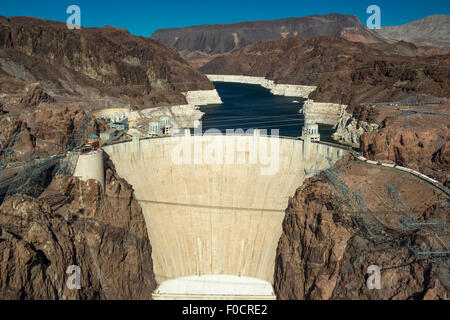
(433, 30)
(200, 44)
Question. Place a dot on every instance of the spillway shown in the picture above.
(216, 213)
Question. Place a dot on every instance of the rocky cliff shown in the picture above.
(344, 72)
(108, 66)
(51, 78)
(348, 218)
(49, 128)
(417, 141)
(75, 223)
(351, 126)
(202, 43)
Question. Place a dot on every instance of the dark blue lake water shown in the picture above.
(247, 106)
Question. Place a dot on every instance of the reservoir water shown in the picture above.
(247, 106)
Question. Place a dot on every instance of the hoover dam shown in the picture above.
(214, 218)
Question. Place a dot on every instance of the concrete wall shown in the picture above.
(206, 219)
(221, 287)
(90, 166)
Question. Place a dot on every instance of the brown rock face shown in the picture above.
(367, 114)
(349, 218)
(417, 141)
(101, 64)
(2, 111)
(343, 71)
(52, 77)
(46, 130)
(35, 95)
(443, 155)
(311, 246)
(75, 223)
(10, 135)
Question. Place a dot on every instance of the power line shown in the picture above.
(261, 122)
(256, 116)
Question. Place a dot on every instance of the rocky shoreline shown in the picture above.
(350, 129)
(323, 112)
(288, 90)
(183, 115)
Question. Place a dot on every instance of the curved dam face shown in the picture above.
(214, 205)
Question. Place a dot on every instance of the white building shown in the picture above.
(311, 130)
(153, 128)
(165, 123)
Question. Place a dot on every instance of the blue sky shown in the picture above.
(144, 17)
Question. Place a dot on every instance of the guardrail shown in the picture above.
(419, 175)
(335, 145)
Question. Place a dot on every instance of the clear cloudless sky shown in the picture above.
(145, 16)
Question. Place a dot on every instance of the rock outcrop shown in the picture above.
(16, 143)
(35, 95)
(75, 223)
(50, 128)
(351, 127)
(323, 112)
(108, 66)
(345, 220)
(417, 141)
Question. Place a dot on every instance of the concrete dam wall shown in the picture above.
(219, 214)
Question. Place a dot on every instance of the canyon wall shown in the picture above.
(343, 72)
(417, 141)
(345, 219)
(108, 67)
(74, 223)
(350, 128)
